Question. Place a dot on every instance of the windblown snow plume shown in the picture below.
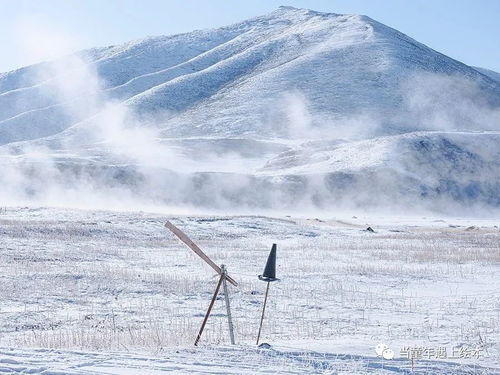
(291, 110)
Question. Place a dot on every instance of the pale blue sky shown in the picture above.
(34, 30)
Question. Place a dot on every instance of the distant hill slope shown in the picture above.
(490, 73)
(266, 99)
(227, 81)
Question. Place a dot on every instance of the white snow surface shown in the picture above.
(220, 360)
(103, 292)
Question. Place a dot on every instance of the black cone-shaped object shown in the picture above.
(270, 270)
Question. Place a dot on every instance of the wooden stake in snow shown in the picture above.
(269, 276)
(224, 277)
(228, 306)
(221, 278)
(263, 311)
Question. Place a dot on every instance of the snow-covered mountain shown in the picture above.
(291, 107)
(490, 73)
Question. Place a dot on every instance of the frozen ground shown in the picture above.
(221, 360)
(110, 292)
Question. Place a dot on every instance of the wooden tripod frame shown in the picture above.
(222, 281)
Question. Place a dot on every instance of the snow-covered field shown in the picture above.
(115, 292)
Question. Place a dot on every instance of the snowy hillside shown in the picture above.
(294, 106)
(490, 73)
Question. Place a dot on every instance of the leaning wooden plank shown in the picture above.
(184, 238)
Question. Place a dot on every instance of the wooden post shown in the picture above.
(222, 277)
(263, 311)
(228, 306)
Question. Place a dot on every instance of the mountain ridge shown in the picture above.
(142, 97)
(262, 98)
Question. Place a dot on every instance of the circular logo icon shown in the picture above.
(384, 351)
(388, 354)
